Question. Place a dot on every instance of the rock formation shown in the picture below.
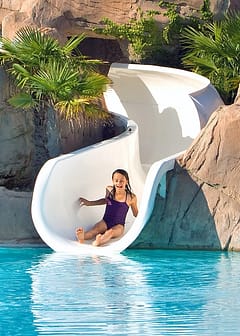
(72, 17)
(16, 129)
(202, 205)
(16, 226)
(206, 216)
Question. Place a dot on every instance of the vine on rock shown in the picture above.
(141, 33)
(148, 40)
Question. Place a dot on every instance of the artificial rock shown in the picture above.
(202, 205)
(201, 209)
(72, 17)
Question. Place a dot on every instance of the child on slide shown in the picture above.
(118, 199)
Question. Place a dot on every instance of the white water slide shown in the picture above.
(164, 110)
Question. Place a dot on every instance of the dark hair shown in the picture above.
(125, 174)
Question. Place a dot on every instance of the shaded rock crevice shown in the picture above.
(202, 205)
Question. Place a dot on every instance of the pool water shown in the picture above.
(140, 292)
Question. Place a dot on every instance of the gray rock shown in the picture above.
(16, 150)
(16, 226)
(202, 205)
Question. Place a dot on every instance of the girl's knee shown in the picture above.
(109, 232)
(117, 231)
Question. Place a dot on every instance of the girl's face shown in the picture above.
(119, 181)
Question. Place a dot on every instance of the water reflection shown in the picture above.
(142, 292)
(90, 296)
(220, 315)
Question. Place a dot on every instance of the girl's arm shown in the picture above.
(84, 201)
(134, 206)
(100, 201)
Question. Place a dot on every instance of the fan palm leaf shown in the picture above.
(30, 47)
(49, 72)
(72, 44)
(216, 54)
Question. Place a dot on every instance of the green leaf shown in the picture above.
(22, 100)
(73, 43)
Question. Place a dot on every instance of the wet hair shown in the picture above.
(128, 186)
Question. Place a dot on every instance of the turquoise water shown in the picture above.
(141, 292)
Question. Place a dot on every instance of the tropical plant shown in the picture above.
(46, 73)
(151, 42)
(142, 33)
(215, 54)
(56, 82)
(177, 22)
(172, 50)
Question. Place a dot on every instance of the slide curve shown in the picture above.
(163, 109)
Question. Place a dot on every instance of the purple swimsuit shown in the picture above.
(115, 213)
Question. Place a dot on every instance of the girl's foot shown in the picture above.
(102, 239)
(97, 241)
(80, 235)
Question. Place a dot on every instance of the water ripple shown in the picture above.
(138, 293)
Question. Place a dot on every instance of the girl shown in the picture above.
(118, 199)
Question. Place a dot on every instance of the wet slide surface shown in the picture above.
(164, 109)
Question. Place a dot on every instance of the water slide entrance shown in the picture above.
(164, 110)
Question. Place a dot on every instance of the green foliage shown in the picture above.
(142, 34)
(206, 13)
(208, 47)
(216, 54)
(22, 100)
(176, 22)
(151, 42)
(46, 73)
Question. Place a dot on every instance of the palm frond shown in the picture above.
(92, 84)
(22, 100)
(231, 24)
(56, 80)
(70, 109)
(45, 71)
(30, 47)
(207, 65)
(73, 43)
(8, 51)
(21, 74)
(216, 54)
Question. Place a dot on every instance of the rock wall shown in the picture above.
(16, 225)
(71, 16)
(16, 147)
(202, 206)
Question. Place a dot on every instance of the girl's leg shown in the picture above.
(115, 232)
(99, 227)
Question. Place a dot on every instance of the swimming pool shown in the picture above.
(140, 292)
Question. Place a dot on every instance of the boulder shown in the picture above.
(16, 226)
(71, 17)
(201, 209)
(16, 149)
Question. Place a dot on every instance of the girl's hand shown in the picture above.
(83, 201)
(134, 206)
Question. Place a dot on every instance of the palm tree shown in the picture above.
(53, 81)
(216, 54)
(47, 73)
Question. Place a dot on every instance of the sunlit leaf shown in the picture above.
(22, 100)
